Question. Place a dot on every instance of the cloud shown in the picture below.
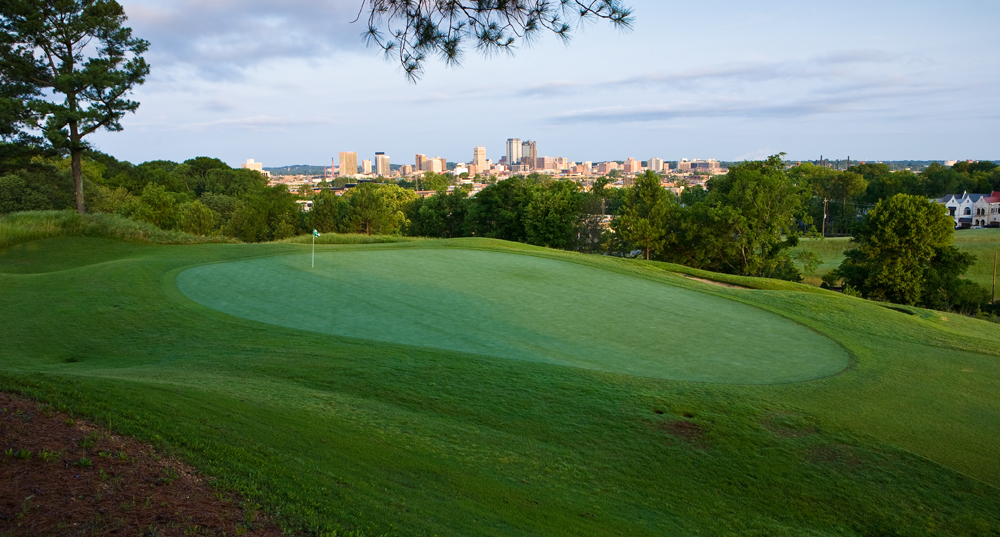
(255, 123)
(223, 37)
(867, 97)
(747, 72)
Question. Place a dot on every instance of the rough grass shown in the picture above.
(349, 238)
(330, 433)
(17, 228)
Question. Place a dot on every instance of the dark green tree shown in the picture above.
(643, 218)
(78, 50)
(553, 215)
(444, 214)
(903, 253)
(767, 208)
(327, 213)
(499, 209)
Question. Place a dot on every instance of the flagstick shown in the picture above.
(314, 251)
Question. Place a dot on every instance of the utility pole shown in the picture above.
(993, 293)
(825, 200)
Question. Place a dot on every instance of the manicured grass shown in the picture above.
(522, 307)
(329, 432)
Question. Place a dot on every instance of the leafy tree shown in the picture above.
(500, 209)
(410, 31)
(693, 194)
(767, 207)
(643, 218)
(196, 218)
(377, 209)
(328, 212)
(904, 254)
(552, 217)
(444, 214)
(78, 49)
(268, 215)
(156, 206)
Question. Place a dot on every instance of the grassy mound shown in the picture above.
(17, 228)
(333, 433)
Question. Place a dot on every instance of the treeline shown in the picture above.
(843, 196)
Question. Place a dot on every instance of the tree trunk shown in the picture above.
(76, 159)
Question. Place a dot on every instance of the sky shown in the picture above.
(291, 82)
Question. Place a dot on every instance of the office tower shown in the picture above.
(631, 166)
(433, 165)
(545, 163)
(366, 166)
(655, 164)
(381, 164)
(529, 153)
(479, 158)
(251, 165)
(405, 170)
(513, 151)
(348, 163)
(421, 163)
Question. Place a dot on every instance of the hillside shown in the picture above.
(383, 400)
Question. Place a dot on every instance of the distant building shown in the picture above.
(434, 165)
(973, 210)
(366, 166)
(545, 163)
(381, 164)
(479, 158)
(529, 153)
(348, 163)
(655, 164)
(420, 163)
(631, 166)
(405, 170)
(255, 166)
(605, 168)
(710, 165)
(513, 151)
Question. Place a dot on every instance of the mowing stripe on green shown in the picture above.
(520, 307)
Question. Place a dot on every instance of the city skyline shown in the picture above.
(265, 79)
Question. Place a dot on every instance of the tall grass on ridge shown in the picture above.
(16, 228)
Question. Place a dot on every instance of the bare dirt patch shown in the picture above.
(63, 477)
(687, 431)
(713, 282)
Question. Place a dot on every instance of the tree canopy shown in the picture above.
(903, 253)
(77, 49)
(409, 31)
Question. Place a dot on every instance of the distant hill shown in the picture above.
(297, 169)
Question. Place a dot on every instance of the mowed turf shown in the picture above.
(335, 435)
(522, 307)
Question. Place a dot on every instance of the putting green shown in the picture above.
(521, 307)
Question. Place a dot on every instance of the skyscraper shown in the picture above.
(479, 158)
(366, 166)
(513, 151)
(348, 163)
(529, 153)
(655, 164)
(381, 164)
(420, 163)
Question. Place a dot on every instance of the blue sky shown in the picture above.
(291, 82)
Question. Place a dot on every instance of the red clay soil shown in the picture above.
(62, 477)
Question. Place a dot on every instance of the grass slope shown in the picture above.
(332, 433)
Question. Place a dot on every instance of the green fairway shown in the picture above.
(366, 431)
(523, 307)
